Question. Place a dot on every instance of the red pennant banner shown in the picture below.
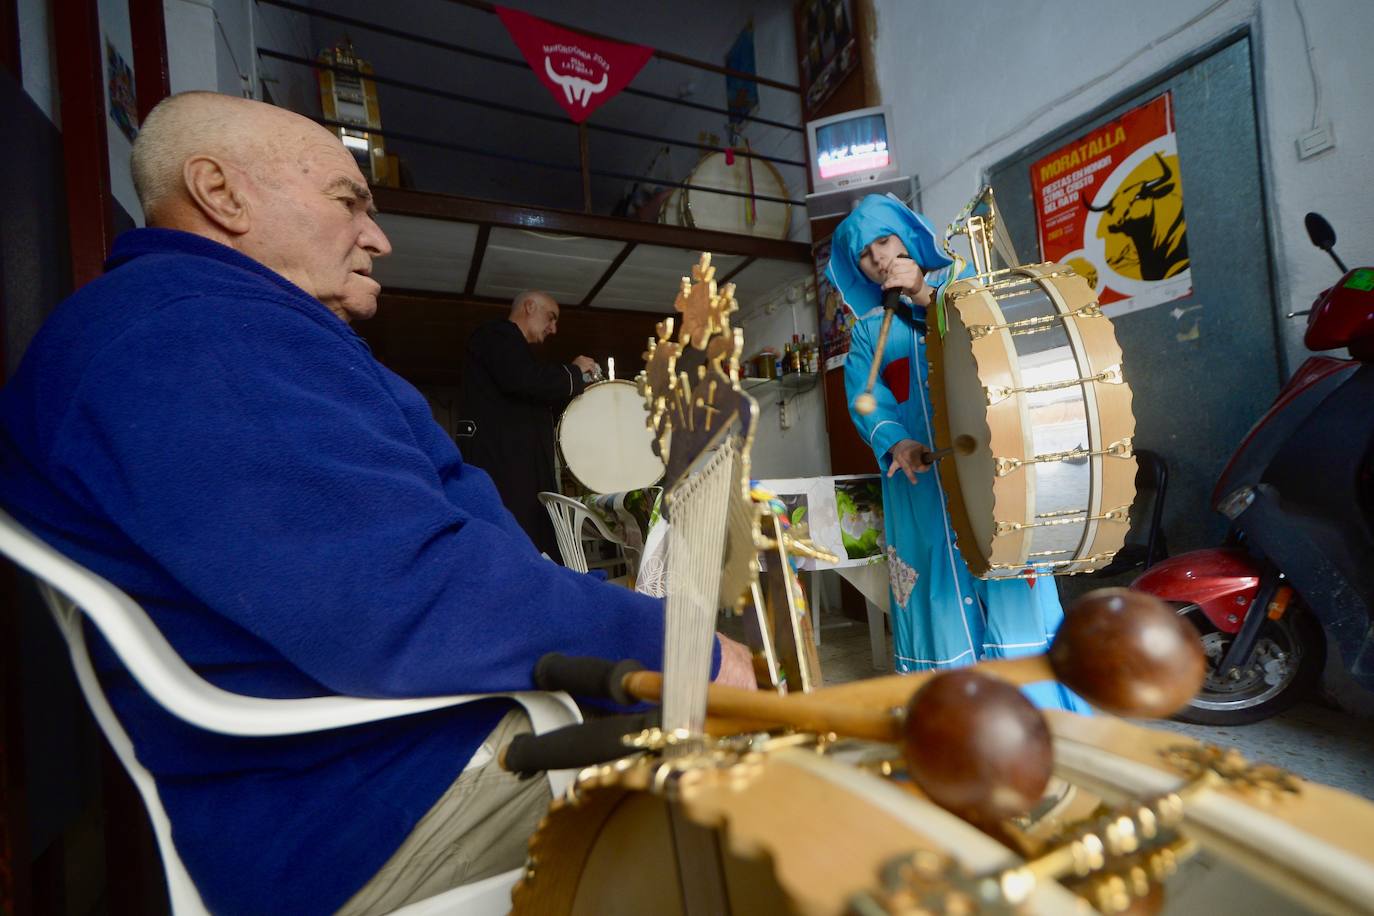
(583, 73)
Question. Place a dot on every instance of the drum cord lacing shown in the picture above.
(1119, 514)
(1118, 449)
(1033, 325)
(1111, 375)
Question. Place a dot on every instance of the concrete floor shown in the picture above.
(1312, 740)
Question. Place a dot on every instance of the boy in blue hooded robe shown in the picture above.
(942, 616)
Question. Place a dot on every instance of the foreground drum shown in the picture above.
(794, 825)
(605, 441)
(778, 826)
(1028, 385)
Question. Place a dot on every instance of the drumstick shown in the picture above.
(868, 709)
(1123, 651)
(865, 403)
(963, 445)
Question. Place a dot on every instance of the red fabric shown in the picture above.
(897, 377)
(581, 72)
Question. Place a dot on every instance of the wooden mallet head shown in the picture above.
(1129, 653)
(977, 747)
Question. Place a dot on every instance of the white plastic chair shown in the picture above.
(568, 517)
(70, 590)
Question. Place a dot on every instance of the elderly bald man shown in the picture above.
(202, 427)
(513, 400)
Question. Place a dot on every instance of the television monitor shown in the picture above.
(851, 149)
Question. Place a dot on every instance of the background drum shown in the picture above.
(701, 209)
(606, 441)
(1027, 383)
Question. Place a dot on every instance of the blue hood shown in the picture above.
(877, 216)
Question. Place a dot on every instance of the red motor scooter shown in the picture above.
(1299, 559)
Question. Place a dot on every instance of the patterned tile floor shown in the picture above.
(1313, 740)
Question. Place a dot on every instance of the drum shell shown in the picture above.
(798, 832)
(998, 513)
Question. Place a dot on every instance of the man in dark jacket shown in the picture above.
(513, 401)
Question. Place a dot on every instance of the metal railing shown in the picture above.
(583, 165)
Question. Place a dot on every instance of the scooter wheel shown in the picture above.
(1288, 658)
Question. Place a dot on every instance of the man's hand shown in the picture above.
(903, 274)
(586, 364)
(908, 455)
(736, 665)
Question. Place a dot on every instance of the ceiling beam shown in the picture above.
(610, 272)
(479, 251)
(404, 202)
(460, 299)
(731, 275)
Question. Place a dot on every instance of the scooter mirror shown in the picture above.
(1320, 231)
(1323, 236)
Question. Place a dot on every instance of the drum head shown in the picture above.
(702, 209)
(606, 440)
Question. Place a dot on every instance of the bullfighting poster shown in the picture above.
(1110, 205)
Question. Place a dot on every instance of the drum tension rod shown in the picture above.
(1111, 375)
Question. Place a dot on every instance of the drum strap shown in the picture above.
(955, 270)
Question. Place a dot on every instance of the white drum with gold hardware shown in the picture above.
(1027, 382)
(606, 441)
(700, 208)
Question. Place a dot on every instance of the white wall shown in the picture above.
(973, 88)
(800, 450)
(190, 26)
(36, 59)
(210, 46)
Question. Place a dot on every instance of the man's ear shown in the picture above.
(217, 193)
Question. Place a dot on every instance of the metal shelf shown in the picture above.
(793, 382)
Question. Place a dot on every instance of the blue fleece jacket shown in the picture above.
(205, 434)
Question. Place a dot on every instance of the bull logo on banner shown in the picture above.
(1146, 214)
(577, 90)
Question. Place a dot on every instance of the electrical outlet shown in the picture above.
(1316, 140)
(784, 418)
